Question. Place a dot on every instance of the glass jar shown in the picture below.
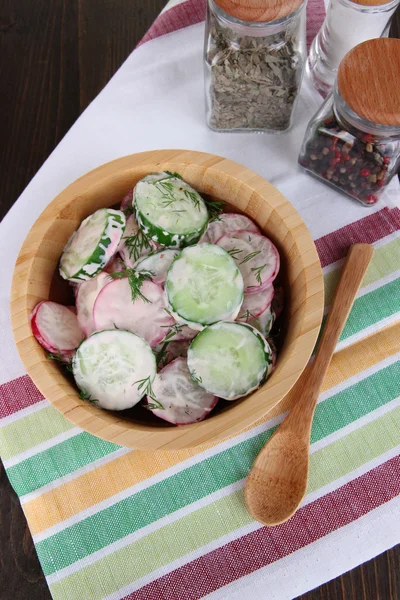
(343, 146)
(349, 153)
(346, 25)
(253, 69)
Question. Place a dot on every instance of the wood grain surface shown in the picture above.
(368, 79)
(55, 57)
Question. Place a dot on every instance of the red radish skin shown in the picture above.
(127, 201)
(227, 223)
(183, 400)
(241, 244)
(255, 304)
(56, 328)
(114, 308)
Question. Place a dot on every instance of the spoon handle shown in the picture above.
(309, 385)
(352, 275)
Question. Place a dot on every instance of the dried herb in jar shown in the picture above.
(357, 166)
(254, 80)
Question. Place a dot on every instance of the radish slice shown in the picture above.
(265, 321)
(166, 352)
(183, 401)
(227, 223)
(127, 201)
(85, 299)
(114, 309)
(255, 304)
(256, 257)
(134, 244)
(56, 328)
(157, 264)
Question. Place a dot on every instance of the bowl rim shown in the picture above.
(218, 172)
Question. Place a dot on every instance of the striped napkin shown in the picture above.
(112, 523)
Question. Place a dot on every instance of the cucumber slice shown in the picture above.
(229, 360)
(114, 369)
(157, 264)
(183, 401)
(203, 286)
(89, 249)
(169, 210)
(227, 223)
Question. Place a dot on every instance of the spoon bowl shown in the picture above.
(277, 481)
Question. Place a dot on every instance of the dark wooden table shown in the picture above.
(55, 56)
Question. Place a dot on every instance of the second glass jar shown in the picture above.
(253, 70)
(352, 155)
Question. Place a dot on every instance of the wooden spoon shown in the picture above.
(277, 481)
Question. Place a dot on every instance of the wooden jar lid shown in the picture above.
(258, 11)
(369, 80)
(371, 2)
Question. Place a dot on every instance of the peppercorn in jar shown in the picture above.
(353, 142)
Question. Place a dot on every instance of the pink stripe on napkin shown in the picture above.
(194, 11)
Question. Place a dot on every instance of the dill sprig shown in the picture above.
(137, 244)
(173, 330)
(172, 175)
(166, 189)
(144, 386)
(59, 358)
(193, 197)
(257, 271)
(84, 395)
(215, 208)
(247, 315)
(135, 280)
(234, 252)
(250, 256)
(196, 378)
(160, 355)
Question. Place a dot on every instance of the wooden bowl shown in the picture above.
(36, 278)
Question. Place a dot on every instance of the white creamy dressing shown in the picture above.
(224, 358)
(109, 365)
(184, 401)
(194, 278)
(170, 209)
